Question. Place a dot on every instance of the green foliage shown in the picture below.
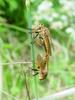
(15, 17)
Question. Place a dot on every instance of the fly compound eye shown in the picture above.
(43, 75)
(38, 67)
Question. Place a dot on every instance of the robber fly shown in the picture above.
(41, 38)
(41, 67)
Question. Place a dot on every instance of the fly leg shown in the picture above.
(34, 37)
(35, 71)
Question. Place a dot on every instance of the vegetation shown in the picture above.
(15, 45)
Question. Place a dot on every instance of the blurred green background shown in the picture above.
(17, 15)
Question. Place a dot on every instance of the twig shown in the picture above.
(11, 26)
(59, 95)
(14, 63)
(1, 77)
(28, 93)
(4, 92)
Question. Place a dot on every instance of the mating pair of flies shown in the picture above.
(41, 37)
